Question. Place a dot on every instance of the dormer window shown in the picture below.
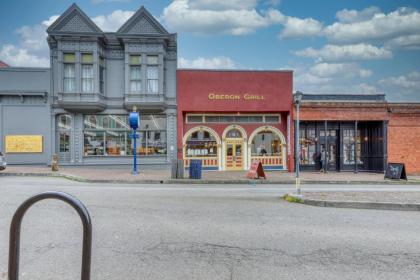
(152, 74)
(87, 72)
(135, 73)
(69, 73)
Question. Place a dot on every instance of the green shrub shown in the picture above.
(291, 198)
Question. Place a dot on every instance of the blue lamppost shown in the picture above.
(134, 122)
(297, 98)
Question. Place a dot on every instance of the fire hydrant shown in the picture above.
(54, 163)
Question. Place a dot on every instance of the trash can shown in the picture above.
(195, 169)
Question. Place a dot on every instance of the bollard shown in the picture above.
(14, 241)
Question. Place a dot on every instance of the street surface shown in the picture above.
(207, 232)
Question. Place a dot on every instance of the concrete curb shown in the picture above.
(357, 204)
(206, 181)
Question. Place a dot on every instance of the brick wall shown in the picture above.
(404, 137)
(343, 112)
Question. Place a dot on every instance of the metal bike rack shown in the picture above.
(14, 243)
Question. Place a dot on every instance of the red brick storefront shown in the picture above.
(230, 118)
(393, 128)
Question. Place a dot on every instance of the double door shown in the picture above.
(234, 155)
(330, 143)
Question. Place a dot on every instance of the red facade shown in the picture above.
(259, 94)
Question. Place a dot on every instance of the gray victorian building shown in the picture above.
(96, 78)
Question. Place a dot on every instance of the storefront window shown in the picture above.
(115, 143)
(201, 144)
(109, 135)
(348, 146)
(94, 143)
(64, 142)
(235, 119)
(307, 142)
(194, 119)
(266, 143)
(64, 129)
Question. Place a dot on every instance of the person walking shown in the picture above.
(323, 159)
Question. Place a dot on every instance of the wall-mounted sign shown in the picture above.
(23, 143)
(245, 96)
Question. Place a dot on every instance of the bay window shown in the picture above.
(135, 73)
(152, 74)
(87, 73)
(69, 72)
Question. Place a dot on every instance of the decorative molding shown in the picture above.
(171, 55)
(144, 26)
(76, 24)
(144, 48)
(69, 46)
(86, 46)
(115, 54)
(142, 23)
(74, 20)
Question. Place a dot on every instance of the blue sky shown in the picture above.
(332, 46)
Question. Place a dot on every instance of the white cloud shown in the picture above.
(113, 21)
(34, 37)
(402, 88)
(50, 21)
(344, 70)
(226, 17)
(346, 53)
(380, 26)
(350, 16)
(218, 5)
(406, 42)
(296, 28)
(21, 57)
(365, 88)
(219, 62)
(109, 1)
(32, 50)
(411, 81)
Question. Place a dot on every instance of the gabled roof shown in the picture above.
(74, 20)
(142, 23)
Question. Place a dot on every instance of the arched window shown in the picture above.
(266, 143)
(234, 133)
(201, 144)
(64, 121)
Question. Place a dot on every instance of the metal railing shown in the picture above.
(14, 241)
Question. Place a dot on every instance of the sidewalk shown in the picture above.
(122, 174)
(379, 200)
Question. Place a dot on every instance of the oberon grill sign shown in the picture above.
(245, 96)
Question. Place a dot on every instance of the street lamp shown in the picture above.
(297, 99)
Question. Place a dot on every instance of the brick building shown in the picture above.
(363, 133)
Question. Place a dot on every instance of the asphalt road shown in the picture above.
(207, 232)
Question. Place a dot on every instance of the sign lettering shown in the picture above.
(23, 143)
(246, 97)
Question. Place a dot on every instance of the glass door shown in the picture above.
(234, 158)
(331, 148)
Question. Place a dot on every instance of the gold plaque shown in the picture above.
(23, 143)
